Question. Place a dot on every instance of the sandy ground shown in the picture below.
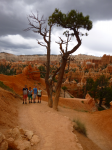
(8, 110)
(97, 124)
(85, 142)
(55, 128)
(17, 82)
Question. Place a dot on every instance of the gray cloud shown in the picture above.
(13, 16)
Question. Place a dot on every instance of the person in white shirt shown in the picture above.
(39, 94)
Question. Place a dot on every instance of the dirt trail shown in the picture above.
(94, 131)
(55, 128)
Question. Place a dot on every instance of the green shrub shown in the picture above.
(71, 96)
(42, 71)
(24, 66)
(54, 79)
(76, 80)
(64, 88)
(5, 87)
(7, 70)
(81, 110)
(66, 71)
(39, 83)
(74, 69)
(80, 127)
(86, 70)
(100, 108)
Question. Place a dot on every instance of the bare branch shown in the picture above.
(41, 43)
(60, 44)
(64, 42)
(37, 25)
(68, 40)
(56, 72)
(78, 45)
(45, 64)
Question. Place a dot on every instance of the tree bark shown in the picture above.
(50, 101)
(100, 103)
(62, 69)
(47, 81)
(101, 96)
(58, 87)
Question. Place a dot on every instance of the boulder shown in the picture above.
(22, 132)
(90, 102)
(11, 143)
(111, 104)
(1, 137)
(22, 144)
(21, 139)
(4, 145)
(29, 134)
(16, 133)
(35, 140)
(10, 140)
(3, 142)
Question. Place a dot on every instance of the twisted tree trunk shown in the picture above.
(58, 87)
(47, 80)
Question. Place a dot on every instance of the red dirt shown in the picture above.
(73, 103)
(17, 82)
(98, 124)
(8, 110)
(103, 121)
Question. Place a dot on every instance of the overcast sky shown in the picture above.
(13, 20)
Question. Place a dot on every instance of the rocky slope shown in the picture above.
(11, 57)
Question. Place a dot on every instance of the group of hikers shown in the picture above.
(29, 93)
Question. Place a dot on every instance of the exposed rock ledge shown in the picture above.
(18, 139)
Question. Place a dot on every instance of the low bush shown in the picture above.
(82, 102)
(7, 70)
(100, 108)
(80, 127)
(42, 71)
(5, 87)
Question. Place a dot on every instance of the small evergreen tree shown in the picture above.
(64, 88)
(99, 89)
(7, 70)
(42, 71)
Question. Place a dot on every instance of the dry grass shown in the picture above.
(80, 127)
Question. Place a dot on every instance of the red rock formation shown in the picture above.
(32, 73)
(109, 68)
(106, 59)
(111, 104)
(90, 100)
(18, 71)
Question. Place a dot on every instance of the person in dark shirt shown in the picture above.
(25, 94)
